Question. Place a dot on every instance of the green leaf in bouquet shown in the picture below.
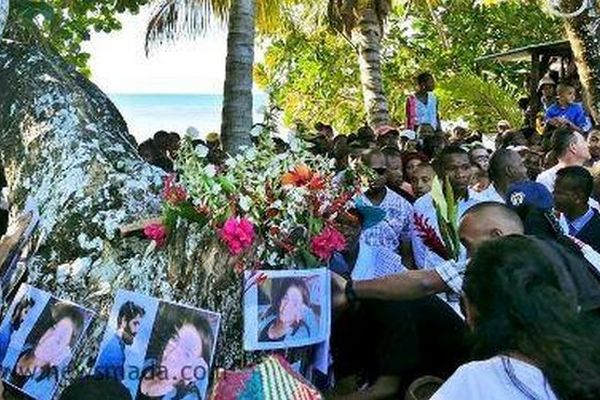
(439, 200)
(226, 184)
(169, 217)
(308, 260)
(187, 211)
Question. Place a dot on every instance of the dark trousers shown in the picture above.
(406, 339)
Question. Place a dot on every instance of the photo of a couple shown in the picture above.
(158, 349)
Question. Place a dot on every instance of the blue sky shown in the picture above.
(119, 64)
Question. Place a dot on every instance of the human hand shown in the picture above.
(339, 301)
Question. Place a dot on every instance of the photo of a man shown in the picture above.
(111, 361)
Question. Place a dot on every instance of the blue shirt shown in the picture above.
(578, 224)
(111, 360)
(6, 332)
(574, 112)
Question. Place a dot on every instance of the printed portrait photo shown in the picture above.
(36, 364)
(158, 349)
(15, 247)
(286, 308)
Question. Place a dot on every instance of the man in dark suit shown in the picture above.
(572, 192)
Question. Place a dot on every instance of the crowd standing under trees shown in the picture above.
(405, 297)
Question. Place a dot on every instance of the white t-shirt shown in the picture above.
(548, 177)
(491, 380)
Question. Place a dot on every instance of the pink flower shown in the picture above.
(157, 232)
(328, 241)
(238, 234)
(173, 193)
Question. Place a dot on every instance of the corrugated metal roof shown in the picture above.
(557, 48)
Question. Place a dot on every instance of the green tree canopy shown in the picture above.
(313, 76)
(65, 24)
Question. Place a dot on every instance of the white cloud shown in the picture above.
(119, 64)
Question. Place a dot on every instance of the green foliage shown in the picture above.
(314, 77)
(65, 24)
(481, 102)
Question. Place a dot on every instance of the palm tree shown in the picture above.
(362, 22)
(3, 15)
(175, 19)
(188, 18)
(583, 31)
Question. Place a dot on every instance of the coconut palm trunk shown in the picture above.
(367, 37)
(3, 15)
(583, 33)
(237, 93)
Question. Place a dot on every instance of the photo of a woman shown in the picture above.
(290, 315)
(11, 325)
(179, 355)
(48, 349)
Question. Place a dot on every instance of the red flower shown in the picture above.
(173, 193)
(430, 237)
(327, 242)
(238, 234)
(157, 232)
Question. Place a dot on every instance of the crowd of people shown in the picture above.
(513, 314)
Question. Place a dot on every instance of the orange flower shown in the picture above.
(316, 183)
(299, 176)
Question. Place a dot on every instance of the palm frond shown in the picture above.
(183, 19)
(482, 101)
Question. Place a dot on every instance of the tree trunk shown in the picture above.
(237, 94)
(583, 33)
(3, 15)
(367, 38)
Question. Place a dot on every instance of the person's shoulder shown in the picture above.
(397, 198)
(423, 203)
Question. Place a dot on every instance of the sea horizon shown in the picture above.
(147, 113)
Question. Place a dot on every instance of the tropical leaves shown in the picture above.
(483, 102)
(174, 20)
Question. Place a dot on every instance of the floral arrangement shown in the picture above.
(267, 209)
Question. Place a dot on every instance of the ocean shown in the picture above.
(146, 114)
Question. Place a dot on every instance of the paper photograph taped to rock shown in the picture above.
(289, 308)
(15, 247)
(39, 335)
(158, 349)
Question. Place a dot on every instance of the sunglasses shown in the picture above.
(380, 171)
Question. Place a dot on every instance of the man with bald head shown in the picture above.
(506, 168)
(421, 334)
(482, 222)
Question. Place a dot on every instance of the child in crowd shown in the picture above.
(566, 112)
(422, 180)
(422, 107)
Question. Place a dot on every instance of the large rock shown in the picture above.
(67, 146)
(3, 15)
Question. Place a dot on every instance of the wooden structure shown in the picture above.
(541, 56)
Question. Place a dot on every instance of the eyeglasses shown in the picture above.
(380, 171)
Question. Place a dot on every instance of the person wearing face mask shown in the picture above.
(111, 361)
(48, 350)
(290, 315)
(178, 356)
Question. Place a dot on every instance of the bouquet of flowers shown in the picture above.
(267, 209)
